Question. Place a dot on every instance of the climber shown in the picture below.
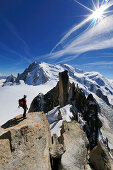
(23, 104)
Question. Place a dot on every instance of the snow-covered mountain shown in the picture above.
(10, 80)
(42, 77)
(90, 82)
(33, 75)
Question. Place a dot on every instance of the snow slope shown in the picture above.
(9, 96)
(40, 73)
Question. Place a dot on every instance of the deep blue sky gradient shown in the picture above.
(30, 29)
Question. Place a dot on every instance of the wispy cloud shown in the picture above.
(96, 37)
(101, 55)
(98, 63)
(101, 65)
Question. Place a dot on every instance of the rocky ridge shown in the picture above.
(65, 93)
(29, 145)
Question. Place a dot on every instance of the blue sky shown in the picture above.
(55, 31)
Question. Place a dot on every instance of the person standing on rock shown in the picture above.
(23, 104)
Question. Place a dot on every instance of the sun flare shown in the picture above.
(98, 14)
(99, 10)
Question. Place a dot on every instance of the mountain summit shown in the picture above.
(40, 73)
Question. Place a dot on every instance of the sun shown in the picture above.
(99, 10)
(98, 14)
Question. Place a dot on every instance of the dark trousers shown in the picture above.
(25, 109)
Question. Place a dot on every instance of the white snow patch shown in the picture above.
(56, 127)
(66, 113)
(52, 116)
(9, 96)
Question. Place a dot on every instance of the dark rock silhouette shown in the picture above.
(100, 158)
(91, 116)
(80, 99)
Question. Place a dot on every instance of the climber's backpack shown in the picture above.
(20, 102)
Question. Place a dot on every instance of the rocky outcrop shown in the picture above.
(76, 145)
(56, 151)
(64, 93)
(63, 88)
(80, 99)
(100, 158)
(27, 144)
(88, 109)
(91, 117)
(24, 144)
(9, 80)
(46, 102)
(57, 96)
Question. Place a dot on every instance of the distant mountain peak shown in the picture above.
(39, 73)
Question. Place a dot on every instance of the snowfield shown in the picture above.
(9, 96)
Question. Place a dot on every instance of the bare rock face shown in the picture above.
(24, 144)
(89, 111)
(75, 143)
(45, 102)
(56, 96)
(5, 153)
(80, 99)
(91, 116)
(100, 158)
(56, 152)
(63, 88)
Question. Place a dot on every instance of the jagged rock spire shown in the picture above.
(63, 88)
